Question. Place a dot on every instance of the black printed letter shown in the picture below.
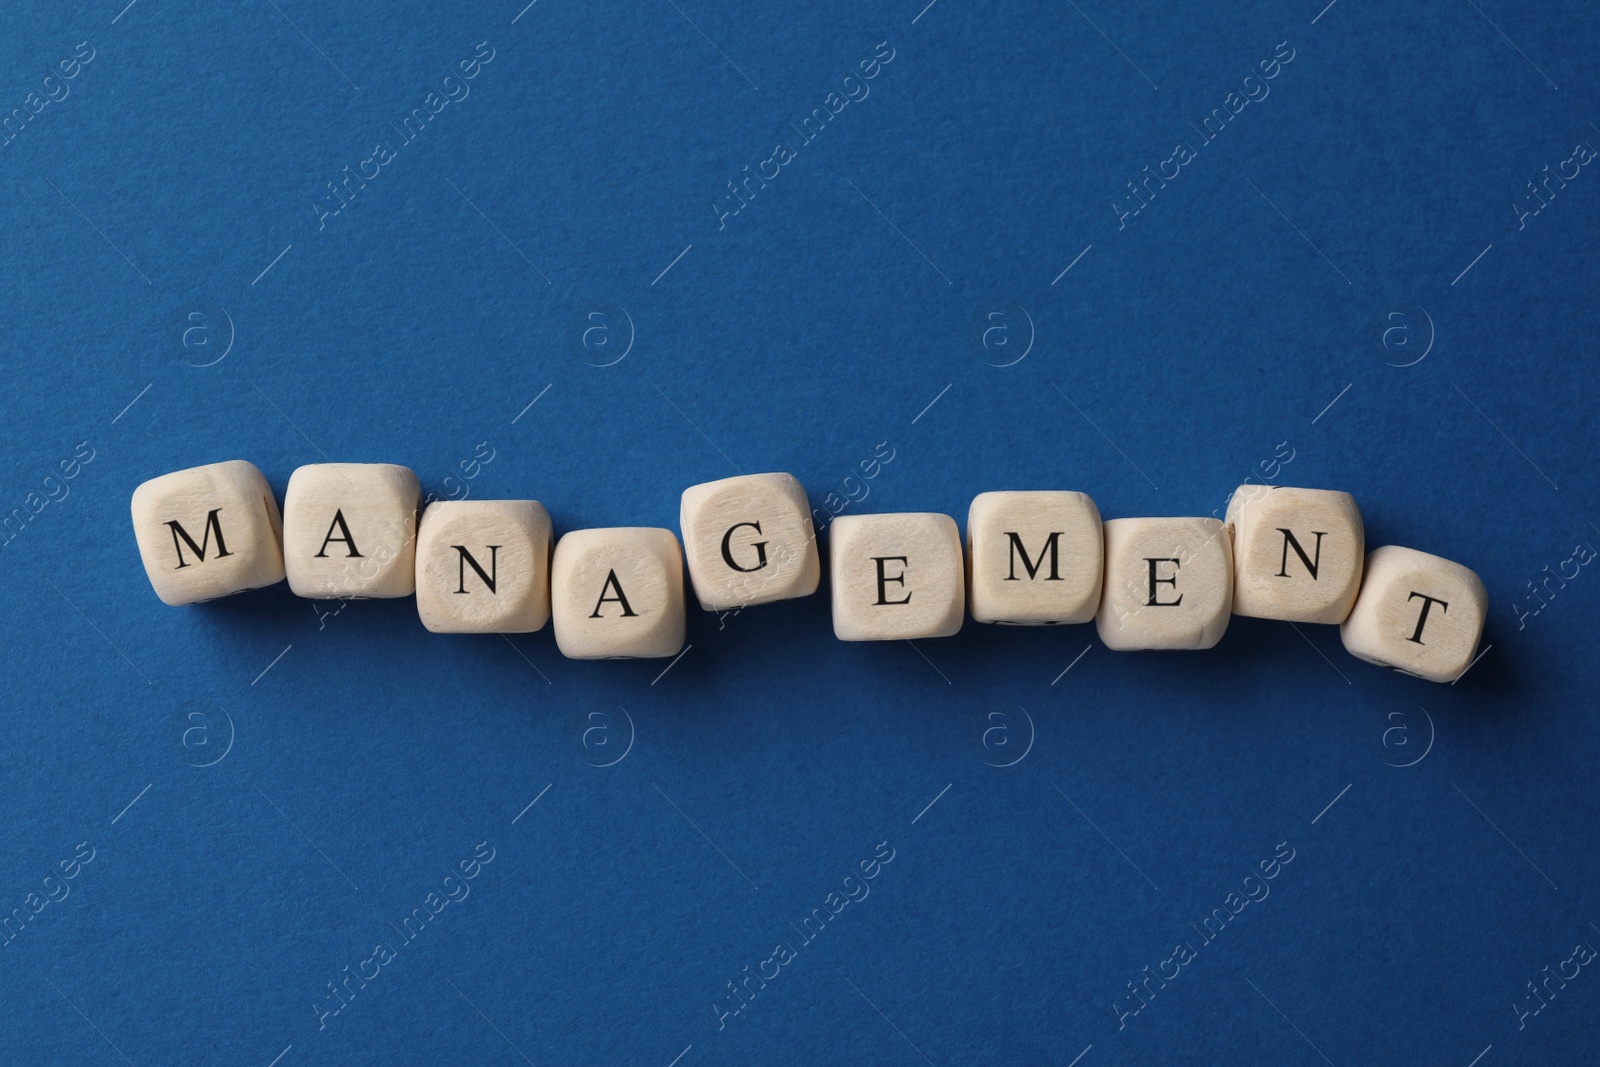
(620, 598)
(1311, 562)
(1051, 545)
(466, 559)
(349, 542)
(759, 546)
(1422, 619)
(1154, 581)
(200, 549)
(883, 579)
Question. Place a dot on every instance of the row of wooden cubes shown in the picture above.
(351, 530)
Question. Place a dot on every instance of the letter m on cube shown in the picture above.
(208, 532)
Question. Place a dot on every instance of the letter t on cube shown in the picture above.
(1417, 613)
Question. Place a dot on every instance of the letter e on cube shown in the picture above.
(896, 577)
(1168, 584)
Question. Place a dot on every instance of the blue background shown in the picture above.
(270, 785)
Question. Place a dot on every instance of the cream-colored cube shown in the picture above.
(1168, 584)
(1296, 553)
(208, 531)
(483, 566)
(618, 593)
(896, 576)
(1034, 559)
(1416, 613)
(350, 530)
(748, 540)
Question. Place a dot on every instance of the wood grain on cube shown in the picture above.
(1418, 613)
(617, 593)
(1034, 558)
(749, 540)
(1168, 584)
(350, 530)
(483, 566)
(896, 576)
(1297, 553)
(208, 532)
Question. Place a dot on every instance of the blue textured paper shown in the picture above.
(1372, 269)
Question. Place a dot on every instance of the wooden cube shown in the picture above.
(350, 530)
(1034, 559)
(896, 576)
(618, 593)
(1416, 613)
(483, 566)
(749, 540)
(1297, 553)
(208, 532)
(1168, 584)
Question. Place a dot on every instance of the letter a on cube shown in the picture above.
(208, 532)
(350, 530)
(749, 540)
(618, 593)
(1416, 613)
